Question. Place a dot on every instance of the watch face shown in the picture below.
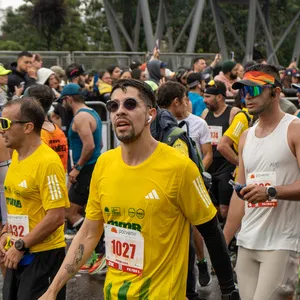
(19, 244)
(272, 192)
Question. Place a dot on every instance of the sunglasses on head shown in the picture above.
(5, 123)
(129, 104)
(253, 91)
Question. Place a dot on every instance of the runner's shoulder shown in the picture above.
(174, 158)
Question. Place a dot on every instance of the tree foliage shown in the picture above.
(81, 25)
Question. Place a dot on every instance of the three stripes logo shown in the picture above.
(54, 187)
(238, 128)
(152, 195)
(23, 184)
(199, 185)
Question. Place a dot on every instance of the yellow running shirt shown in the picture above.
(160, 198)
(237, 127)
(32, 186)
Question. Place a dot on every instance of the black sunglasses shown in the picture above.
(129, 104)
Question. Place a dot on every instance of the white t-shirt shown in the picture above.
(198, 130)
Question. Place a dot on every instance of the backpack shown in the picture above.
(166, 130)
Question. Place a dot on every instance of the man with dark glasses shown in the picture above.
(32, 241)
(267, 211)
(144, 195)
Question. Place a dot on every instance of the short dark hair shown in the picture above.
(268, 69)
(102, 73)
(168, 92)
(145, 92)
(24, 53)
(43, 94)
(78, 98)
(197, 58)
(111, 68)
(30, 110)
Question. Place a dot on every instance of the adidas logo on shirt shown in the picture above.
(23, 184)
(152, 195)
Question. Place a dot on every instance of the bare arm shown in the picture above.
(255, 194)
(83, 128)
(237, 206)
(225, 148)
(206, 150)
(53, 220)
(204, 113)
(233, 112)
(80, 250)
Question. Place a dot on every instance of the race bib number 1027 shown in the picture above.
(124, 249)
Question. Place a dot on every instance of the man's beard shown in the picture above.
(233, 76)
(129, 137)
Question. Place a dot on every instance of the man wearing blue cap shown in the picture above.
(85, 140)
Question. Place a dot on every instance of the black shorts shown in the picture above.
(221, 190)
(32, 281)
(79, 191)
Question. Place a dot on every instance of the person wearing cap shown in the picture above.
(219, 117)
(85, 142)
(76, 74)
(156, 70)
(229, 76)
(196, 85)
(60, 73)
(60, 116)
(266, 211)
(3, 85)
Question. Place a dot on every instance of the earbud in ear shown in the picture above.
(150, 119)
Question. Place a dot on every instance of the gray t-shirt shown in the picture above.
(287, 106)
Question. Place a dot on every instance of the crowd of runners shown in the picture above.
(208, 156)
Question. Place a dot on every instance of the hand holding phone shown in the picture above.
(237, 187)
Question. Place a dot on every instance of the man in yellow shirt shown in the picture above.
(144, 195)
(32, 241)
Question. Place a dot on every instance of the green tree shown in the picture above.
(49, 17)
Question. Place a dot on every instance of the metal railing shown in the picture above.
(100, 60)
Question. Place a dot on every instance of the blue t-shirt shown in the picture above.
(197, 103)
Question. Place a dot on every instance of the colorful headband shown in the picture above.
(259, 77)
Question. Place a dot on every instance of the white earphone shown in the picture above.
(149, 120)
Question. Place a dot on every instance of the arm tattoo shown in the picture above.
(72, 268)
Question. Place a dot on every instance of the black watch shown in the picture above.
(20, 245)
(271, 192)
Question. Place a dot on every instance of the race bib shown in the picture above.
(124, 249)
(262, 179)
(18, 226)
(216, 134)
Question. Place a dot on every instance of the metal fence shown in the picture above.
(50, 58)
(99, 60)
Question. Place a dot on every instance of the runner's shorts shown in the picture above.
(79, 191)
(32, 281)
